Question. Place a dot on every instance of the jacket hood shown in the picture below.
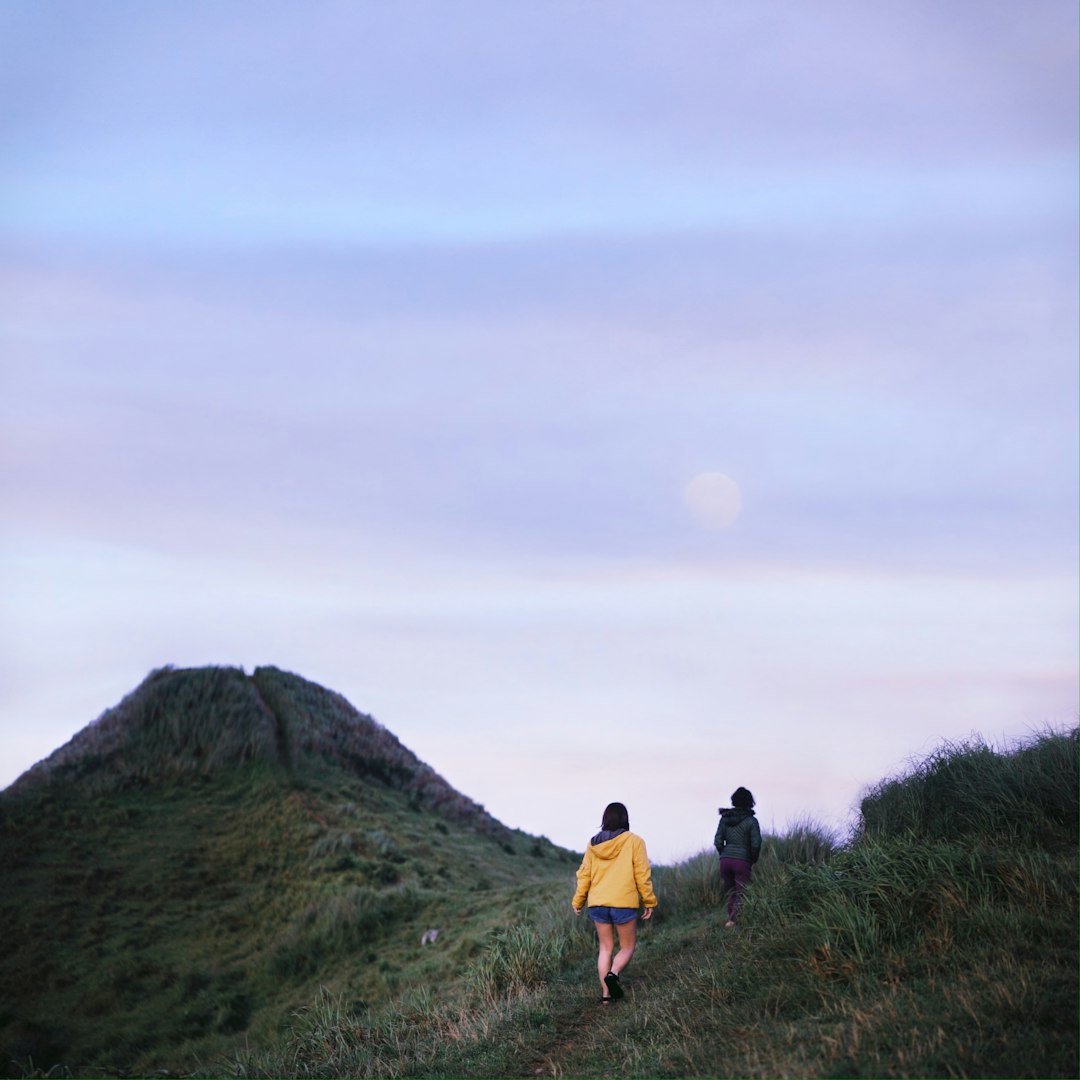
(607, 843)
(734, 814)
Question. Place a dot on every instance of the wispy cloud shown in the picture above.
(384, 348)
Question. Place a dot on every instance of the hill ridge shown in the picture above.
(194, 723)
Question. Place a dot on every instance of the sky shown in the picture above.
(618, 401)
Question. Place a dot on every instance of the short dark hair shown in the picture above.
(741, 799)
(615, 817)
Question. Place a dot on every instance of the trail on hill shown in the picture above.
(575, 1019)
(579, 1019)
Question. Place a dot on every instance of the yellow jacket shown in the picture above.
(615, 873)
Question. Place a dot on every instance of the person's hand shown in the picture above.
(575, 910)
(647, 914)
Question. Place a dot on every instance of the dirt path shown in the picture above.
(579, 1019)
(575, 1021)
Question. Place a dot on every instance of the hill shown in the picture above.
(940, 939)
(197, 724)
(192, 867)
(232, 875)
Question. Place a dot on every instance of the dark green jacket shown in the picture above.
(738, 836)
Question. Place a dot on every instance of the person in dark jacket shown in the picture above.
(738, 842)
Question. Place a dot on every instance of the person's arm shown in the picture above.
(643, 877)
(720, 839)
(755, 840)
(584, 880)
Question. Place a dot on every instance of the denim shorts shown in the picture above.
(613, 914)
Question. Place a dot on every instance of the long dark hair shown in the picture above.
(615, 817)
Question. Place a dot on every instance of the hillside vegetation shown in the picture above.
(256, 909)
(940, 940)
(196, 724)
(196, 864)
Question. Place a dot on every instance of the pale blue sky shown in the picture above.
(380, 343)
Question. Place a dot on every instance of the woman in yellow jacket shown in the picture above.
(615, 878)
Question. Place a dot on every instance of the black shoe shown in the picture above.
(612, 981)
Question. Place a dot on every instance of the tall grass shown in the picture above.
(528, 953)
(938, 939)
(316, 723)
(337, 923)
(516, 967)
(174, 724)
(197, 722)
(969, 791)
(693, 886)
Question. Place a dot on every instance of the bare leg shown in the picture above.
(627, 944)
(606, 936)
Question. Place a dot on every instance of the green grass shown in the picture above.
(149, 929)
(156, 914)
(193, 724)
(262, 916)
(897, 953)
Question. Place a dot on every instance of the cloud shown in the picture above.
(175, 397)
(683, 681)
(384, 348)
(351, 124)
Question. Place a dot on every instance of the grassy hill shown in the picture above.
(229, 875)
(203, 859)
(940, 940)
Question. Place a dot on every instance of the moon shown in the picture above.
(714, 499)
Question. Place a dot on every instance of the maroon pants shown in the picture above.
(734, 877)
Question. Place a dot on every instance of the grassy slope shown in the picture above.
(264, 919)
(152, 925)
(145, 931)
(941, 940)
